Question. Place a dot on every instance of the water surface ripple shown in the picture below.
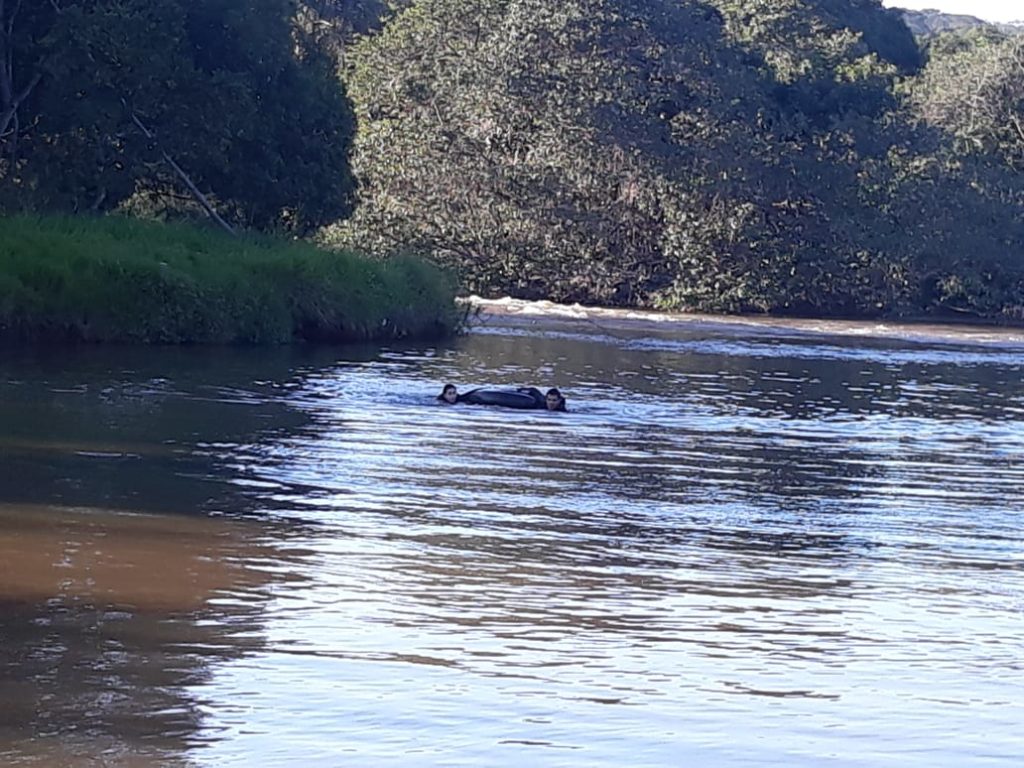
(734, 550)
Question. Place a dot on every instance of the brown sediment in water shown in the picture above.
(115, 560)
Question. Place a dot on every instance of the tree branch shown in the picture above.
(8, 113)
(199, 196)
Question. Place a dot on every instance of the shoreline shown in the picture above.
(522, 312)
(113, 279)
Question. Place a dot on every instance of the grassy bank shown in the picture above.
(123, 280)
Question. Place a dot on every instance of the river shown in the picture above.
(746, 544)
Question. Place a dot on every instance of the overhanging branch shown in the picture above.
(192, 188)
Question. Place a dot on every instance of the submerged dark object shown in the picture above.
(524, 398)
(521, 398)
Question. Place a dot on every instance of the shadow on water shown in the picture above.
(134, 428)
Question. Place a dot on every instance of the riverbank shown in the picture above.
(611, 320)
(115, 279)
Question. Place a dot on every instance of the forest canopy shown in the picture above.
(97, 95)
(790, 156)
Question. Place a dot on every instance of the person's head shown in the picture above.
(449, 394)
(553, 400)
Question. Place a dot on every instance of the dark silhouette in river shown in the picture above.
(522, 398)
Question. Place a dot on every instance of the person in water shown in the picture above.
(522, 398)
(553, 400)
(449, 394)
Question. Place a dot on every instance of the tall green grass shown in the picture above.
(126, 280)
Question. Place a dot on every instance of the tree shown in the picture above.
(235, 92)
(629, 152)
(20, 68)
(536, 145)
(829, 58)
(973, 88)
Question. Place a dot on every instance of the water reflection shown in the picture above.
(767, 549)
(122, 428)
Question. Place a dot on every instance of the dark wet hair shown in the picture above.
(445, 388)
(561, 400)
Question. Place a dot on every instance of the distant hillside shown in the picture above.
(930, 22)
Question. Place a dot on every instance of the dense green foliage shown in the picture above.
(115, 279)
(487, 136)
(795, 156)
(718, 155)
(239, 94)
(973, 88)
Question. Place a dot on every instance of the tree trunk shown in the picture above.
(9, 107)
(10, 100)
